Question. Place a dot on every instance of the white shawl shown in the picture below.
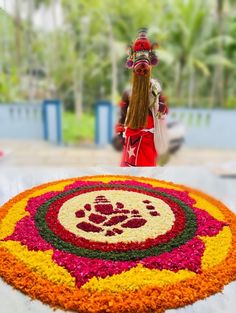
(161, 140)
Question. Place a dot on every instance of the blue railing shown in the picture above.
(32, 121)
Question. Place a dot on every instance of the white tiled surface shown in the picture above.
(14, 180)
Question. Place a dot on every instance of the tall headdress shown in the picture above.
(141, 53)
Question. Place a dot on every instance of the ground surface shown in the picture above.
(40, 153)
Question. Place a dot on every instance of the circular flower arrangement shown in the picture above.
(117, 244)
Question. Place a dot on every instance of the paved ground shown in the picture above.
(40, 153)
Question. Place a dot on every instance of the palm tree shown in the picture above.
(186, 37)
(192, 43)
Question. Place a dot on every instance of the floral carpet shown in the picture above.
(117, 244)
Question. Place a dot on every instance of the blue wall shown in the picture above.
(205, 128)
(32, 121)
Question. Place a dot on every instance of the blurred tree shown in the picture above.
(225, 44)
(30, 57)
(9, 87)
(78, 16)
(230, 52)
(18, 30)
(194, 46)
(10, 58)
(188, 36)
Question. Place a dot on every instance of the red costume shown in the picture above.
(142, 144)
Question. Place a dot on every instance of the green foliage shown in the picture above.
(9, 87)
(78, 130)
(230, 102)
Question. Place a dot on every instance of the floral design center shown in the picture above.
(106, 216)
(112, 214)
